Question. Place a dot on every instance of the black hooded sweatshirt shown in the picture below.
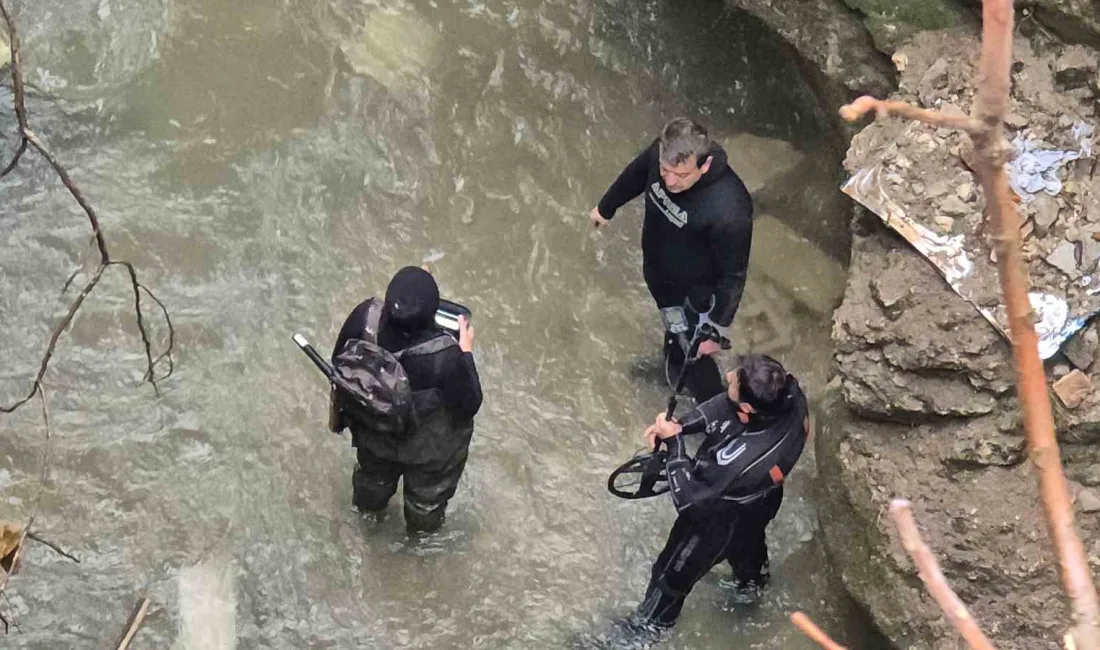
(696, 241)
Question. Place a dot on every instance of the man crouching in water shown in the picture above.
(731, 490)
(446, 395)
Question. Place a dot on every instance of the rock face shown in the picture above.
(923, 413)
(909, 348)
(1076, 21)
(831, 39)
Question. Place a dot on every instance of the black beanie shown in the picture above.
(412, 298)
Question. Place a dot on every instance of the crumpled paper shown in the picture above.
(1035, 170)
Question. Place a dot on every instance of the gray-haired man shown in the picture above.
(696, 234)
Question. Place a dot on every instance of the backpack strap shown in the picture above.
(374, 318)
(431, 346)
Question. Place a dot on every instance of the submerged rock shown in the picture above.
(396, 48)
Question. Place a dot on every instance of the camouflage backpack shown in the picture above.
(375, 392)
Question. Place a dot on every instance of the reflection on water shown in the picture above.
(268, 164)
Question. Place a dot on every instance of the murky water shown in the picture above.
(269, 163)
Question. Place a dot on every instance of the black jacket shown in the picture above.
(458, 382)
(698, 239)
(446, 396)
(737, 463)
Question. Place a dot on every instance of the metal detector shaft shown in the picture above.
(693, 349)
(319, 361)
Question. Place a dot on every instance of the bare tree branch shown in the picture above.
(57, 331)
(933, 579)
(133, 623)
(815, 633)
(882, 108)
(989, 108)
(137, 287)
(16, 72)
(15, 160)
(101, 242)
(17, 90)
(29, 137)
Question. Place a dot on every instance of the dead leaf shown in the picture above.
(11, 536)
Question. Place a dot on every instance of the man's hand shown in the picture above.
(708, 347)
(597, 219)
(465, 335)
(662, 429)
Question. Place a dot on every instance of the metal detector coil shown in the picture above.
(641, 477)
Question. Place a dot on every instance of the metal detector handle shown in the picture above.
(704, 333)
(316, 358)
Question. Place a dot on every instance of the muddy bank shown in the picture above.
(923, 405)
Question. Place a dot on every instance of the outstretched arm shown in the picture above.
(629, 184)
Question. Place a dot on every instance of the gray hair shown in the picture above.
(684, 139)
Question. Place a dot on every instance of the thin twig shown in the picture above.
(56, 549)
(16, 72)
(57, 331)
(167, 354)
(100, 241)
(141, 323)
(930, 574)
(815, 633)
(15, 160)
(12, 622)
(133, 623)
(882, 108)
(17, 90)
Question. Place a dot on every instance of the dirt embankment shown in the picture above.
(924, 405)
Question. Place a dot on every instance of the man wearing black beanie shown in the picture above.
(446, 394)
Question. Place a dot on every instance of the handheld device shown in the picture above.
(447, 315)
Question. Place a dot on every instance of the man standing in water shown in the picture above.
(695, 237)
(446, 394)
(730, 491)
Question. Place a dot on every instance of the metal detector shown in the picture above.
(644, 476)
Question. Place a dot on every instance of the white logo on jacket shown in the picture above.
(730, 452)
(674, 213)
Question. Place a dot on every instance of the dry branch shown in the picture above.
(989, 108)
(30, 137)
(882, 108)
(803, 622)
(133, 623)
(985, 129)
(933, 579)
